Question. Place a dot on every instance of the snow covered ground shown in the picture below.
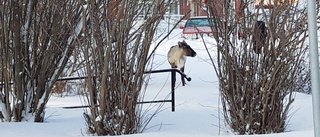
(197, 105)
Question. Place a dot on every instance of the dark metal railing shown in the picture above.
(173, 81)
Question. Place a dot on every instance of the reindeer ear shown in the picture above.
(183, 43)
(179, 44)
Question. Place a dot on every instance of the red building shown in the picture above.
(199, 7)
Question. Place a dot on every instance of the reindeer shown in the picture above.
(259, 36)
(176, 56)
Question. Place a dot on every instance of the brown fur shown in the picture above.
(177, 54)
(259, 37)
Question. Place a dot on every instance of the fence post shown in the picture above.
(173, 83)
(314, 65)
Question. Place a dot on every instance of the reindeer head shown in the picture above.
(188, 51)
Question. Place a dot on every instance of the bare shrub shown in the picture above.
(259, 71)
(58, 87)
(116, 46)
(37, 39)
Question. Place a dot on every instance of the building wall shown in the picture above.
(198, 7)
(185, 7)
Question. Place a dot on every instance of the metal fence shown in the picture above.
(173, 81)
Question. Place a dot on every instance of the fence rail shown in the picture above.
(173, 81)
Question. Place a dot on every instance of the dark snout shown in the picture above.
(193, 54)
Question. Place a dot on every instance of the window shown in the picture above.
(200, 22)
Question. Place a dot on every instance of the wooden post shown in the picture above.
(173, 83)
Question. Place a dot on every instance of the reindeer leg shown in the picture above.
(182, 78)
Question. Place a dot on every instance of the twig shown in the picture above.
(152, 52)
